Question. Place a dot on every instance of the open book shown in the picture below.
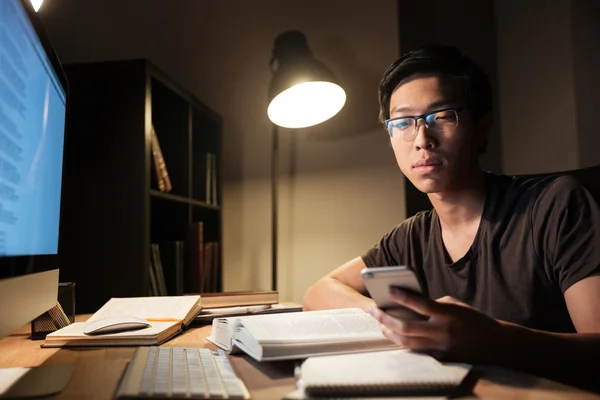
(299, 334)
(382, 373)
(167, 315)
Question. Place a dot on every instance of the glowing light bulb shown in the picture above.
(306, 104)
(36, 4)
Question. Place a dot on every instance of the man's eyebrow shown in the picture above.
(432, 106)
(401, 109)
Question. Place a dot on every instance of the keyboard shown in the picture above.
(178, 372)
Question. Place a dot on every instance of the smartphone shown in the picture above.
(378, 282)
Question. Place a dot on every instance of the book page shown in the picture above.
(380, 368)
(159, 308)
(312, 326)
(222, 332)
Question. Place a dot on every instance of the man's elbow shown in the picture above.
(314, 295)
(308, 299)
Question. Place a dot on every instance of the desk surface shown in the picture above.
(98, 371)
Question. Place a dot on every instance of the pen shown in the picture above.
(163, 319)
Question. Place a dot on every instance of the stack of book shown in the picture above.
(167, 316)
(233, 304)
(344, 354)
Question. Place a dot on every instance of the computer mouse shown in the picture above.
(114, 325)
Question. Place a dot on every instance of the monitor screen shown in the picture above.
(32, 133)
(32, 127)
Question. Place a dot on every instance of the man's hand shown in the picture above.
(453, 332)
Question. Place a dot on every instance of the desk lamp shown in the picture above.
(303, 92)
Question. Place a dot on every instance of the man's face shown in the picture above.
(435, 160)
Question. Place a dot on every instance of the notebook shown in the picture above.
(379, 373)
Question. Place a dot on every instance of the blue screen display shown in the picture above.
(32, 127)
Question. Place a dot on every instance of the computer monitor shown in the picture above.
(33, 97)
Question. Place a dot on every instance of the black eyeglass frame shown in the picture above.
(416, 118)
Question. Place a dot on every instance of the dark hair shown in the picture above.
(438, 60)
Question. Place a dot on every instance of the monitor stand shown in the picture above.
(27, 297)
(31, 382)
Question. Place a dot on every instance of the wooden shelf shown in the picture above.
(113, 214)
(182, 199)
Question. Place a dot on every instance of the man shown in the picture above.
(514, 263)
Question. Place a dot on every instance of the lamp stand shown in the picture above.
(274, 195)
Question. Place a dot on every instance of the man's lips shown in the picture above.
(427, 165)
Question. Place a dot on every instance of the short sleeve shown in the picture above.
(387, 251)
(566, 229)
(403, 245)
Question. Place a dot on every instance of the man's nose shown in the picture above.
(424, 139)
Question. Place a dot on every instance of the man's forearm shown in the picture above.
(330, 293)
(567, 358)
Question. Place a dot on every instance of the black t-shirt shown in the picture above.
(536, 238)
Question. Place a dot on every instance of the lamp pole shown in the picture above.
(274, 180)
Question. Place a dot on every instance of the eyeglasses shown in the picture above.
(439, 120)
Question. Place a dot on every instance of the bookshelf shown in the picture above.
(113, 209)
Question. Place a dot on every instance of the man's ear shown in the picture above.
(482, 131)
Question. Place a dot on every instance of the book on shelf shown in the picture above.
(154, 291)
(211, 179)
(203, 271)
(398, 372)
(162, 175)
(159, 274)
(298, 335)
(207, 266)
(172, 258)
(167, 315)
(166, 268)
(208, 178)
(195, 271)
(210, 267)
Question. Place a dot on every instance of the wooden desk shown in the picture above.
(97, 371)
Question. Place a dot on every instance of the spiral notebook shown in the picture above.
(379, 373)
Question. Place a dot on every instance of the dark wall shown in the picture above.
(469, 25)
(585, 31)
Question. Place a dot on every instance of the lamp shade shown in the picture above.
(303, 91)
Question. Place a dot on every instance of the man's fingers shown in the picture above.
(409, 328)
(409, 342)
(415, 302)
(452, 300)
